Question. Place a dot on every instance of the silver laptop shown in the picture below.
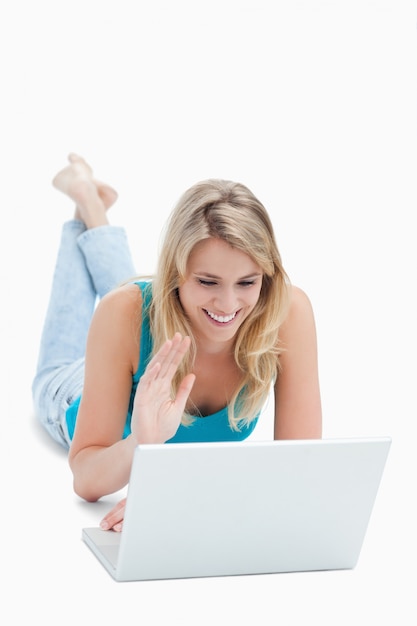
(218, 509)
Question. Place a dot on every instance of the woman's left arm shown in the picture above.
(297, 390)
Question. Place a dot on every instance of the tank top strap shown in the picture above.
(146, 343)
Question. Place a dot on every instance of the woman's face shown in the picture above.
(221, 289)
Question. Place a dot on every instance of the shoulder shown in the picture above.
(117, 318)
(122, 300)
(298, 296)
(299, 302)
(300, 316)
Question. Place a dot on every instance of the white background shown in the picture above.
(312, 104)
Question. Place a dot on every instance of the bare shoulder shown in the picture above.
(299, 300)
(117, 320)
(122, 301)
(124, 294)
(299, 327)
(300, 310)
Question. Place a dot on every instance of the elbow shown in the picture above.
(84, 491)
(82, 483)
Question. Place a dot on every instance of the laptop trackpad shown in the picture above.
(104, 543)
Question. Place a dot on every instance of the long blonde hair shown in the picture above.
(229, 211)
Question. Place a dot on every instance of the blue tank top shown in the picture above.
(213, 427)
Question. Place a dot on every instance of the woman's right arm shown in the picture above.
(99, 458)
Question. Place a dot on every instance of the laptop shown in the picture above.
(222, 509)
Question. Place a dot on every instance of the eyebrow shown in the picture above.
(208, 275)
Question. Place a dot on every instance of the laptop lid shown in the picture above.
(217, 509)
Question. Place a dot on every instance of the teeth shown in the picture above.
(221, 318)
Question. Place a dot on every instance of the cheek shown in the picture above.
(255, 297)
(253, 300)
(186, 296)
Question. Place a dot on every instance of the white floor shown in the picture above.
(313, 105)
(49, 569)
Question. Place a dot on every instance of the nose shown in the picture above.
(226, 301)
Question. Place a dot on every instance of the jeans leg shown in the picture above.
(89, 264)
(107, 256)
(71, 304)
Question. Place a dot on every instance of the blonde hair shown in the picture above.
(228, 211)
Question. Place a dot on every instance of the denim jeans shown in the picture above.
(89, 264)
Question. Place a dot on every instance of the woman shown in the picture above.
(189, 356)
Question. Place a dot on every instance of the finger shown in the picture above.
(166, 361)
(112, 520)
(170, 363)
(150, 374)
(115, 516)
(184, 391)
(162, 353)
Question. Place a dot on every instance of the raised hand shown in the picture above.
(156, 415)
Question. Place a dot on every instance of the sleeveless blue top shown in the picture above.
(214, 427)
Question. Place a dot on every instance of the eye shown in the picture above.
(206, 283)
(247, 283)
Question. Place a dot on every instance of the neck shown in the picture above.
(213, 349)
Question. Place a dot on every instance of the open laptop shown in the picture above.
(218, 509)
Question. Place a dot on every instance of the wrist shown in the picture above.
(146, 436)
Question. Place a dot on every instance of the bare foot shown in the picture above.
(106, 193)
(92, 197)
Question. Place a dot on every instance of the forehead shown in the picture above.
(215, 256)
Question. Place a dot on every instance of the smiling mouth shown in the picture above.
(221, 319)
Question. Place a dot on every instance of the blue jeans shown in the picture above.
(89, 264)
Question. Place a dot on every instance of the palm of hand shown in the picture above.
(156, 415)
